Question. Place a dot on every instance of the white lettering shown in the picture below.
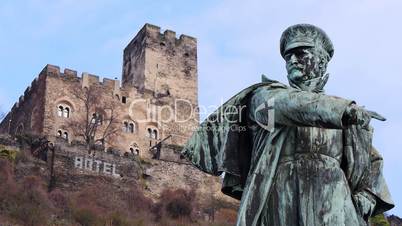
(88, 164)
(78, 162)
(95, 165)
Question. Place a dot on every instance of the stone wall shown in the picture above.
(27, 114)
(158, 93)
(73, 165)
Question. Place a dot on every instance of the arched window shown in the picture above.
(125, 127)
(60, 111)
(131, 127)
(66, 112)
(93, 119)
(59, 133)
(134, 149)
(155, 132)
(152, 133)
(65, 135)
(97, 118)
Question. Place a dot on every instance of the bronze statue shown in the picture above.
(294, 155)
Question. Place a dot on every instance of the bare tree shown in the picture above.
(98, 123)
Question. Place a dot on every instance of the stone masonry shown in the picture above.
(157, 98)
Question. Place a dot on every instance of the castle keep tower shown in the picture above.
(161, 64)
(165, 68)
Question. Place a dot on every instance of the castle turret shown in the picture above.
(162, 64)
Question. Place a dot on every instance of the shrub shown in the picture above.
(176, 203)
(8, 187)
(8, 154)
(136, 200)
(379, 220)
(86, 217)
(59, 199)
(31, 205)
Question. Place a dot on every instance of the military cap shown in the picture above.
(305, 35)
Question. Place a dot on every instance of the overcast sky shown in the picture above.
(237, 42)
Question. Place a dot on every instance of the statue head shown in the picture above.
(307, 51)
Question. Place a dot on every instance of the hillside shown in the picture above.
(137, 192)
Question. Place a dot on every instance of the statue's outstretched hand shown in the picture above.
(356, 115)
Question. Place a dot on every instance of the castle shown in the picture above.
(156, 99)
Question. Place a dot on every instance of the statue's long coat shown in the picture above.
(224, 143)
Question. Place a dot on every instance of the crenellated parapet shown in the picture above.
(157, 61)
(86, 78)
(151, 34)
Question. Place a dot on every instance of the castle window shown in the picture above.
(125, 127)
(60, 111)
(155, 134)
(131, 127)
(93, 119)
(59, 133)
(63, 111)
(186, 55)
(152, 133)
(124, 99)
(134, 149)
(97, 118)
(66, 112)
(65, 135)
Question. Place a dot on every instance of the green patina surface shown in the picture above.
(294, 155)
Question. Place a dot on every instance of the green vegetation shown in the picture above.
(8, 153)
(379, 220)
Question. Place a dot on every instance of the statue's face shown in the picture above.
(305, 67)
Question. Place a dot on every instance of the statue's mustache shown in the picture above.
(296, 67)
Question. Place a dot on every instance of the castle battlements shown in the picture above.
(153, 33)
(86, 78)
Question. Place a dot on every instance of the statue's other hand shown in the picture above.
(377, 116)
(356, 115)
(364, 203)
